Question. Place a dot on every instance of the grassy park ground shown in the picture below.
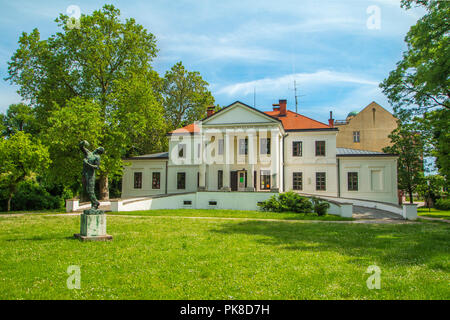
(433, 213)
(173, 255)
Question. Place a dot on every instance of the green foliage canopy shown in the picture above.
(20, 157)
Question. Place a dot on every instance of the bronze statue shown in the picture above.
(91, 162)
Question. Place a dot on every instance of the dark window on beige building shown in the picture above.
(320, 148)
(321, 181)
(265, 179)
(181, 180)
(219, 179)
(296, 148)
(356, 136)
(243, 146)
(265, 145)
(352, 178)
(297, 180)
(138, 180)
(156, 180)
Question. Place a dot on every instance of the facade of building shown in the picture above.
(366, 130)
(240, 148)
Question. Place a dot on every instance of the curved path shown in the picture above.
(371, 213)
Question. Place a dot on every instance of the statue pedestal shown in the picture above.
(93, 226)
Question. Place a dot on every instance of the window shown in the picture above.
(187, 202)
(220, 147)
(320, 148)
(243, 146)
(182, 150)
(265, 179)
(297, 148)
(212, 203)
(181, 180)
(156, 180)
(352, 179)
(297, 180)
(219, 179)
(355, 136)
(320, 181)
(138, 180)
(265, 145)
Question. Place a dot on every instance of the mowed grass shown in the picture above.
(232, 214)
(433, 213)
(179, 258)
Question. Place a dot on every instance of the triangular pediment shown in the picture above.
(239, 113)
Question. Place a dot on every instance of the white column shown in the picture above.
(252, 153)
(227, 161)
(202, 165)
(275, 154)
(202, 177)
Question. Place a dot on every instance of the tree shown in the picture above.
(421, 79)
(439, 121)
(20, 157)
(92, 62)
(186, 96)
(407, 143)
(79, 120)
(18, 117)
(431, 187)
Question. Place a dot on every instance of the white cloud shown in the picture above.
(273, 85)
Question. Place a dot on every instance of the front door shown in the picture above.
(233, 180)
(241, 180)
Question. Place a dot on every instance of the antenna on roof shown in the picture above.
(296, 101)
(296, 96)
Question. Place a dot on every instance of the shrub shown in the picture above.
(288, 201)
(31, 195)
(442, 204)
(320, 206)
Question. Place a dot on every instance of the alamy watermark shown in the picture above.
(374, 280)
(74, 279)
(74, 13)
(374, 20)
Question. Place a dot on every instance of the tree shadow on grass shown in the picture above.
(387, 244)
(42, 238)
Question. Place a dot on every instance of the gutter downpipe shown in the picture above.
(166, 175)
(338, 178)
(284, 150)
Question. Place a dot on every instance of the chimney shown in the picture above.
(282, 104)
(276, 107)
(331, 120)
(210, 111)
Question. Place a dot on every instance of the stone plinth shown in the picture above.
(93, 226)
(409, 211)
(72, 205)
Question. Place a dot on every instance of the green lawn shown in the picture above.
(175, 258)
(433, 213)
(232, 214)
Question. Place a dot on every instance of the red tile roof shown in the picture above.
(191, 128)
(292, 121)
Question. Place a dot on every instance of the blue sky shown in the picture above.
(244, 46)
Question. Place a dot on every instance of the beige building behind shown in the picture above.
(366, 130)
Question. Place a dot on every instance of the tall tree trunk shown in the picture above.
(410, 195)
(8, 206)
(103, 187)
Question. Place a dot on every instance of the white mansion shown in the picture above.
(240, 148)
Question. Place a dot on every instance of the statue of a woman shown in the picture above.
(91, 162)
